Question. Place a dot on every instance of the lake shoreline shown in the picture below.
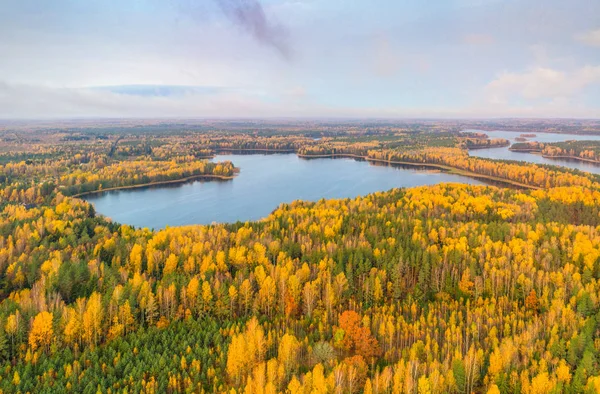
(450, 169)
(537, 132)
(487, 147)
(225, 150)
(573, 158)
(150, 184)
(264, 183)
(476, 147)
(525, 150)
(446, 168)
(563, 157)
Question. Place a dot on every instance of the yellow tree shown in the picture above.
(288, 352)
(92, 319)
(72, 330)
(135, 258)
(12, 325)
(267, 294)
(193, 289)
(246, 350)
(41, 331)
(126, 317)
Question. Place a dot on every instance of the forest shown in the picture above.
(435, 289)
(577, 150)
(582, 150)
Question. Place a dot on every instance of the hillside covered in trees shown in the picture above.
(445, 288)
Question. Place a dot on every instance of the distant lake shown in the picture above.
(504, 153)
(264, 182)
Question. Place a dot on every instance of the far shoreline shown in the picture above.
(159, 183)
(564, 157)
(573, 158)
(491, 130)
(449, 169)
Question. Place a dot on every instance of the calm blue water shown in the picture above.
(505, 154)
(264, 182)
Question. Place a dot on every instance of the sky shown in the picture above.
(299, 58)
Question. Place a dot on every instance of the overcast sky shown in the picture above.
(296, 58)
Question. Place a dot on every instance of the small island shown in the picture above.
(479, 143)
(530, 146)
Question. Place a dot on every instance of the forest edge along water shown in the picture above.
(263, 183)
(506, 153)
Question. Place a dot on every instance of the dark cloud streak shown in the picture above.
(251, 17)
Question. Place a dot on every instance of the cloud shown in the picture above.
(158, 90)
(251, 17)
(541, 83)
(19, 101)
(32, 101)
(478, 39)
(591, 38)
(296, 92)
(387, 61)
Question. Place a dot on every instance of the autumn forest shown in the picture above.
(449, 288)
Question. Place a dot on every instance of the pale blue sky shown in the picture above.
(346, 58)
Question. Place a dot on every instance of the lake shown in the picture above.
(505, 154)
(264, 182)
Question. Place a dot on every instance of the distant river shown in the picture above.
(505, 154)
(264, 182)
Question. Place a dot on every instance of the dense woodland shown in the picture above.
(584, 150)
(580, 150)
(446, 288)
